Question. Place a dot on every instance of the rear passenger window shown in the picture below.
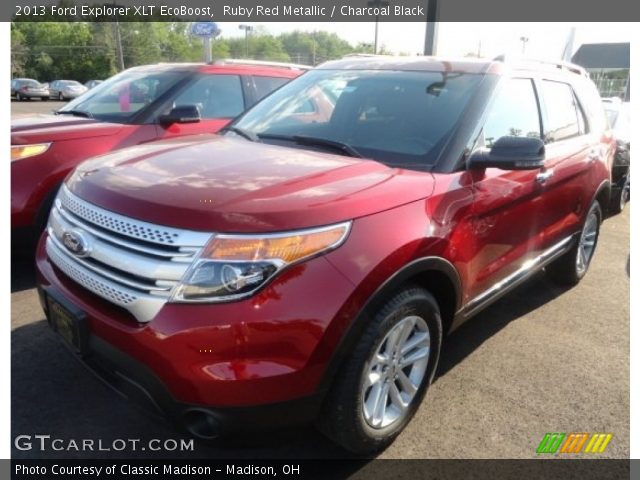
(564, 118)
(514, 112)
(266, 85)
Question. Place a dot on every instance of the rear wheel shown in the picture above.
(381, 384)
(573, 265)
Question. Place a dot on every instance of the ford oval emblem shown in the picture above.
(77, 242)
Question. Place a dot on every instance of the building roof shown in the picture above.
(603, 55)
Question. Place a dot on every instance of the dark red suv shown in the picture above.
(307, 263)
(137, 106)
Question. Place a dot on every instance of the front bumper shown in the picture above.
(269, 350)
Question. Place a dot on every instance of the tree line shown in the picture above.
(89, 50)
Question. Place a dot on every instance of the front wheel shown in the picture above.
(381, 384)
(571, 267)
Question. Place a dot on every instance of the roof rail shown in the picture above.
(367, 55)
(239, 61)
(571, 67)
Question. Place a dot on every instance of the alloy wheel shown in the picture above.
(395, 372)
(587, 243)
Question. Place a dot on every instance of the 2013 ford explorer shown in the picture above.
(308, 263)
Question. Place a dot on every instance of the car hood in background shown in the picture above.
(47, 128)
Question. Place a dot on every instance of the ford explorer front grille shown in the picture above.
(130, 263)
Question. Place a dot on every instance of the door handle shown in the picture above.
(544, 176)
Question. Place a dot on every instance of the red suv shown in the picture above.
(307, 263)
(137, 106)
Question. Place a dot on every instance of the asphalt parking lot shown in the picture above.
(543, 359)
(29, 107)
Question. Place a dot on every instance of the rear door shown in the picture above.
(570, 155)
(507, 204)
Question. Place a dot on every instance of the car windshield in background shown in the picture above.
(121, 97)
(619, 121)
(399, 118)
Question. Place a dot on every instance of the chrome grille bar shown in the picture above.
(130, 263)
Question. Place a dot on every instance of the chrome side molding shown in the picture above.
(527, 269)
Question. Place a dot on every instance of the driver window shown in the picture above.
(514, 112)
(217, 96)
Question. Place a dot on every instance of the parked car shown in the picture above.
(292, 270)
(618, 114)
(134, 107)
(92, 83)
(66, 89)
(27, 88)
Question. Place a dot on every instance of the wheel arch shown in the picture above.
(603, 196)
(435, 274)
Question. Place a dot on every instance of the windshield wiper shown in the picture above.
(345, 148)
(341, 147)
(76, 113)
(252, 137)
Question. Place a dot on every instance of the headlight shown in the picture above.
(18, 152)
(235, 266)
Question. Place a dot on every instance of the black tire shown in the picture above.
(621, 196)
(566, 269)
(342, 418)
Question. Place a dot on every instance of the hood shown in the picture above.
(47, 128)
(215, 183)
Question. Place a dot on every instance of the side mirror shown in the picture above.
(511, 153)
(181, 114)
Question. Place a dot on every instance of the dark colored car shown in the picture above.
(134, 107)
(27, 88)
(619, 114)
(307, 264)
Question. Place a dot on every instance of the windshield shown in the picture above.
(69, 83)
(396, 117)
(122, 96)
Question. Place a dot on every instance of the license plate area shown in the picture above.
(67, 320)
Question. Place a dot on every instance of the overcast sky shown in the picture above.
(546, 40)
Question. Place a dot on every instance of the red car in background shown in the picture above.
(136, 106)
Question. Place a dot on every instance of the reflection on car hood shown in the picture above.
(216, 183)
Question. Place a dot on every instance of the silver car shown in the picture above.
(27, 88)
(66, 89)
